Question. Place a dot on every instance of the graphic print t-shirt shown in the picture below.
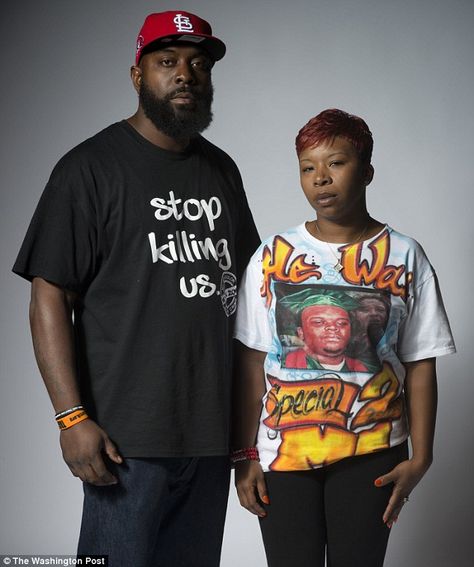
(337, 341)
(154, 243)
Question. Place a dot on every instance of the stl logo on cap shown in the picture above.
(172, 26)
(183, 23)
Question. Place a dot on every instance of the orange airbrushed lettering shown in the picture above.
(378, 273)
(313, 416)
(384, 401)
(326, 401)
(276, 265)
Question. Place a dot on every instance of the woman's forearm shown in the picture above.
(422, 399)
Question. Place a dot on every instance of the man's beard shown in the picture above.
(176, 122)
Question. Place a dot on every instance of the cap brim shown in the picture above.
(215, 47)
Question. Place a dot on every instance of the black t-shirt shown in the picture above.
(154, 243)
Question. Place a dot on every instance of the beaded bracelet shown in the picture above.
(71, 419)
(248, 454)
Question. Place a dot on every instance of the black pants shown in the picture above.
(336, 508)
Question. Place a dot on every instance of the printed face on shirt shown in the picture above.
(175, 90)
(370, 320)
(372, 310)
(334, 180)
(326, 331)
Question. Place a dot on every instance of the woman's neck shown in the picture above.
(353, 231)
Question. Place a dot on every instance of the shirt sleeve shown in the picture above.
(425, 331)
(60, 244)
(251, 326)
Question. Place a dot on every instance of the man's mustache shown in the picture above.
(197, 95)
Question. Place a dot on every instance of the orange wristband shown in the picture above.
(71, 419)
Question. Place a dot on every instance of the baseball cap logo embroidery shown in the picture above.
(183, 23)
(172, 26)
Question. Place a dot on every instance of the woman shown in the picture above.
(323, 461)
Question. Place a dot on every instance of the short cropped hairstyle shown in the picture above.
(331, 123)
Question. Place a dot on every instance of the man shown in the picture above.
(325, 330)
(134, 254)
(369, 321)
(372, 316)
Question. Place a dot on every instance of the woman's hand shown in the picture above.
(251, 487)
(405, 476)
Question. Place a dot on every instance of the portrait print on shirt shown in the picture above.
(329, 335)
(321, 327)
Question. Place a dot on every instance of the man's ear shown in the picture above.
(299, 330)
(136, 76)
(369, 174)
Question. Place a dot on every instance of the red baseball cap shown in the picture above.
(167, 27)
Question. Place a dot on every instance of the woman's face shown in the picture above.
(334, 179)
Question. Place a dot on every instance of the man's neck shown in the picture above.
(337, 366)
(145, 127)
(333, 360)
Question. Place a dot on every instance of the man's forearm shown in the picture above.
(53, 341)
(83, 445)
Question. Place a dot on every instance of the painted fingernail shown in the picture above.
(378, 482)
(265, 499)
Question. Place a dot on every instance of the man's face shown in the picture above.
(325, 330)
(175, 90)
(372, 311)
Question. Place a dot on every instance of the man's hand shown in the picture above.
(250, 483)
(405, 476)
(83, 447)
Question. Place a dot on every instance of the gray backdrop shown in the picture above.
(405, 66)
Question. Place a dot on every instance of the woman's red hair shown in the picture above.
(331, 123)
